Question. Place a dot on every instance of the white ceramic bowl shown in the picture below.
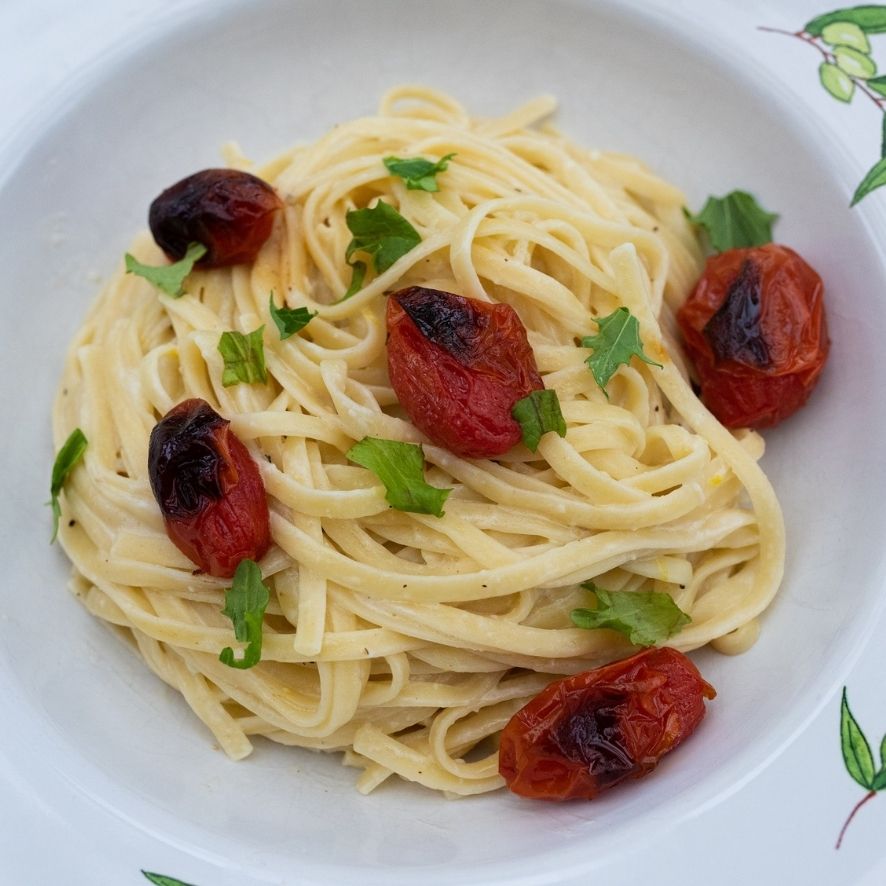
(88, 714)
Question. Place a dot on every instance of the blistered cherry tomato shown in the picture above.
(458, 366)
(755, 329)
(590, 731)
(209, 489)
(230, 212)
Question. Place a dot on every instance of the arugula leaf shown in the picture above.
(357, 278)
(537, 414)
(644, 617)
(857, 754)
(163, 880)
(382, 234)
(244, 357)
(245, 604)
(418, 173)
(71, 452)
(734, 221)
(400, 467)
(169, 278)
(616, 342)
(289, 320)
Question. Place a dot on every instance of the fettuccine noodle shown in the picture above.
(406, 640)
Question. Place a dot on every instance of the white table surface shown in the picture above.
(778, 829)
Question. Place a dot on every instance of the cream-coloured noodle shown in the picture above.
(405, 640)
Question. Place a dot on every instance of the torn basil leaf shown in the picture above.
(400, 467)
(537, 414)
(168, 278)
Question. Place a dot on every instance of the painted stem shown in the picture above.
(852, 814)
(828, 57)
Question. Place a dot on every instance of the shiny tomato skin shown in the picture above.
(458, 366)
(230, 212)
(590, 731)
(209, 489)
(768, 351)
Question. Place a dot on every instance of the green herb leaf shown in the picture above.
(875, 178)
(617, 341)
(537, 414)
(163, 880)
(357, 278)
(244, 357)
(644, 617)
(400, 467)
(871, 19)
(836, 82)
(168, 278)
(71, 452)
(878, 84)
(381, 233)
(735, 221)
(289, 320)
(845, 34)
(245, 603)
(856, 750)
(879, 781)
(418, 173)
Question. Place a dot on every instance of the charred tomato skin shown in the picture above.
(756, 331)
(458, 366)
(590, 731)
(208, 488)
(230, 212)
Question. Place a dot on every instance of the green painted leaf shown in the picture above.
(537, 414)
(879, 781)
(856, 750)
(855, 63)
(418, 173)
(381, 233)
(168, 278)
(883, 137)
(878, 84)
(289, 320)
(644, 617)
(838, 83)
(845, 34)
(401, 469)
(71, 452)
(734, 221)
(244, 357)
(875, 178)
(617, 341)
(163, 880)
(245, 604)
(871, 19)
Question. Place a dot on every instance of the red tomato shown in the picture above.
(230, 212)
(458, 366)
(588, 732)
(209, 489)
(755, 329)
